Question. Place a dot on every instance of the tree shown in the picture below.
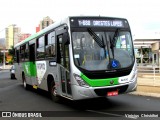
(2, 57)
(11, 53)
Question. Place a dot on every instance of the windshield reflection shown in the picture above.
(90, 55)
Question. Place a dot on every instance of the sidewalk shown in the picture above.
(147, 86)
(7, 67)
(144, 90)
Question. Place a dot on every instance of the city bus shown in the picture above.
(79, 57)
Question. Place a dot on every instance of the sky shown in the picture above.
(143, 15)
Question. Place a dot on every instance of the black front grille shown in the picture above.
(102, 75)
(104, 91)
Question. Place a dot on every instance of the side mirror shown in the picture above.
(65, 38)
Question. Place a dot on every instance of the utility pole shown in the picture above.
(4, 59)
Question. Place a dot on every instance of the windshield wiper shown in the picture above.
(96, 38)
(113, 41)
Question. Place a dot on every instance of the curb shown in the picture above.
(157, 95)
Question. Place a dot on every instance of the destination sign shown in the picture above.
(100, 23)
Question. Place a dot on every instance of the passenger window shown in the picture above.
(50, 45)
(23, 52)
(40, 48)
(26, 53)
(17, 56)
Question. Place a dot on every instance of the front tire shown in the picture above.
(53, 92)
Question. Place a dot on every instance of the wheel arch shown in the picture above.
(50, 79)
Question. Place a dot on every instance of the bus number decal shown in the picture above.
(41, 70)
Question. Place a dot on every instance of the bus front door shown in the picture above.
(63, 59)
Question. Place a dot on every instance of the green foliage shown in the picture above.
(2, 57)
(11, 53)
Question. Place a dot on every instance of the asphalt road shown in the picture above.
(14, 98)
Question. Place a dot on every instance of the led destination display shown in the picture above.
(101, 23)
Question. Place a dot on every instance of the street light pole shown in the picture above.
(4, 59)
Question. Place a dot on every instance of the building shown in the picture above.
(45, 22)
(147, 49)
(23, 36)
(11, 35)
(38, 28)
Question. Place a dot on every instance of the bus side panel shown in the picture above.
(30, 72)
(43, 70)
(18, 71)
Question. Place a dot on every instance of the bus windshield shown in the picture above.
(102, 50)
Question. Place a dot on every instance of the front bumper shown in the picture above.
(94, 92)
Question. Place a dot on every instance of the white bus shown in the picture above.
(79, 58)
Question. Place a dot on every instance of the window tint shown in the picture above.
(40, 48)
(40, 42)
(17, 55)
(26, 53)
(22, 52)
(50, 45)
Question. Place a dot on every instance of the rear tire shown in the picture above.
(53, 92)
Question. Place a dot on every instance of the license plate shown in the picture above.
(112, 93)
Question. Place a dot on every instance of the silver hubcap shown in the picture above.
(54, 91)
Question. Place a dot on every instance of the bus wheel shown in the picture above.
(24, 82)
(53, 91)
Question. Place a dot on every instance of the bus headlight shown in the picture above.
(80, 81)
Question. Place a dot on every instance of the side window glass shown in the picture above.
(17, 56)
(50, 45)
(40, 48)
(59, 50)
(26, 53)
(22, 52)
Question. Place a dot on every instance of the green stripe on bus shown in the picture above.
(100, 82)
(30, 69)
